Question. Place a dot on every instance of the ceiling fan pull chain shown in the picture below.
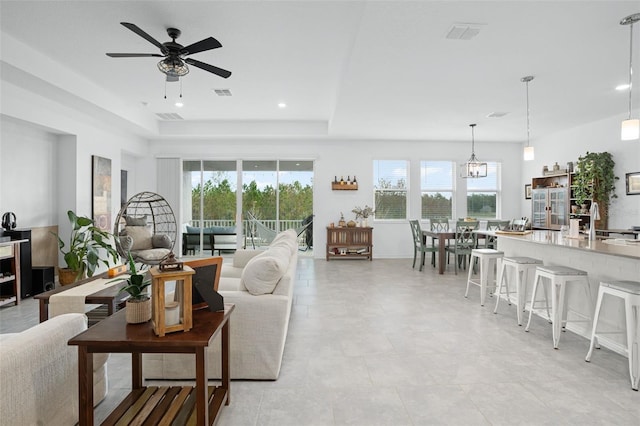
(180, 88)
(165, 89)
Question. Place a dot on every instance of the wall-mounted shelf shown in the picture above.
(344, 186)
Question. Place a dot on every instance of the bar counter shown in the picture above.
(603, 260)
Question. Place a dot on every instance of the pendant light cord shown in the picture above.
(630, 65)
(528, 126)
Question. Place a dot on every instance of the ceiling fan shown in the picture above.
(174, 63)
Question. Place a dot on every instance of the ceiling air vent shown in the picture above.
(463, 31)
(169, 116)
(497, 114)
(222, 92)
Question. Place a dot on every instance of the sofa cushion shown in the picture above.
(262, 273)
(193, 230)
(141, 236)
(136, 220)
(286, 238)
(161, 241)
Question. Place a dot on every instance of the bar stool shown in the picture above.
(487, 259)
(559, 276)
(629, 292)
(521, 267)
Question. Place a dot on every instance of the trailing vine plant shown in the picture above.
(594, 180)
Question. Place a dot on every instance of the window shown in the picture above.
(390, 188)
(436, 189)
(483, 194)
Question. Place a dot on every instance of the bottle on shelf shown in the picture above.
(341, 180)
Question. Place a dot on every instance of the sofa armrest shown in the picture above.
(242, 257)
(39, 372)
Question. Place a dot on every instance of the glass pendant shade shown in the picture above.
(173, 67)
(528, 153)
(630, 130)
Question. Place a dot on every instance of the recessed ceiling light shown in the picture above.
(179, 104)
(282, 105)
(621, 87)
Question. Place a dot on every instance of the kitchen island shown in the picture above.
(603, 259)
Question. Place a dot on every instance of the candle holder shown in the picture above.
(164, 315)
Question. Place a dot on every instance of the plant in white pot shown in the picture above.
(138, 305)
(82, 255)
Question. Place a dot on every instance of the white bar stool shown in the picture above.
(487, 259)
(559, 276)
(629, 291)
(521, 266)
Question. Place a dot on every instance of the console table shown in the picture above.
(349, 243)
(156, 405)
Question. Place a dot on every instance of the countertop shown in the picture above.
(612, 246)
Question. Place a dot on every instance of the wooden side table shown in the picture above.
(157, 405)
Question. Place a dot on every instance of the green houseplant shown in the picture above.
(138, 305)
(594, 180)
(82, 254)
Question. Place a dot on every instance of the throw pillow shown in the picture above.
(161, 241)
(141, 236)
(262, 273)
(136, 220)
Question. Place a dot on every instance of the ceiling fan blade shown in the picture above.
(134, 55)
(137, 30)
(215, 70)
(206, 44)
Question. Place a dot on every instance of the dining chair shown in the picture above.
(464, 242)
(495, 225)
(438, 224)
(420, 245)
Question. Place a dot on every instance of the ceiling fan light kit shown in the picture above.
(630, 128)
(174, 64)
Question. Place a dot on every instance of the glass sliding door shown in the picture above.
(295, 198)
(259, 198)
(209, 200)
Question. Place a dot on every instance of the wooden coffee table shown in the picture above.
(156, 405)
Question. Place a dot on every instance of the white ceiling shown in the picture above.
(369, 69)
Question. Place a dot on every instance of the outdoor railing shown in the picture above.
(271, 224)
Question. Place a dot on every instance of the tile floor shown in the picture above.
(378, 343)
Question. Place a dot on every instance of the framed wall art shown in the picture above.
(527, 191)
(101, 192)
(633, 183)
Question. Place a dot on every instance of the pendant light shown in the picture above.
(473, 168)
(528, 150)
(630, 129)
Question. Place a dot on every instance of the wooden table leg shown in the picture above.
(202, 406)
(226, 382)
(85, 387)
(44, 311)
(136, 370)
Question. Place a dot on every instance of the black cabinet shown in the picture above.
(26, 283)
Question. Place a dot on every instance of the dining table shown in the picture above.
(443, 238)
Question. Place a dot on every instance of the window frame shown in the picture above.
(406, 189)
(497, 190)
(427, 189)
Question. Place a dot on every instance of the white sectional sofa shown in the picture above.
(39, 373)
(260, 283)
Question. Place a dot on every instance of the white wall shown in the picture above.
(342, 158)
(599, 136)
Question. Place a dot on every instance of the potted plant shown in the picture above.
(363, 213)
(138, 305)
(82, 255)
(594, 180)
